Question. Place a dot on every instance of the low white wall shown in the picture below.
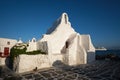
(30, 62)
(24, 63)
(2, 61)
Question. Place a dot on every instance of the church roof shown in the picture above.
(63, 19)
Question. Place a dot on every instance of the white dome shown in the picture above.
(20, 41)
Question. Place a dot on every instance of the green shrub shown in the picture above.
(21, 49)
(16, 52)
(35, 52)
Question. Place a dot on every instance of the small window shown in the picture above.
(67, 44)
(8, 43)
(65, 18)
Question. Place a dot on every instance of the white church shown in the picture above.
(62, 43)
(61, 38)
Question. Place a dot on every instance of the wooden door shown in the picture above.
(6, 51)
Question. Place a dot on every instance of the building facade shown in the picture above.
(6, 45)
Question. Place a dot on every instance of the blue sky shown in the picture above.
(32, 18)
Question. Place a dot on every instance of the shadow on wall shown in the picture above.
(8, 62)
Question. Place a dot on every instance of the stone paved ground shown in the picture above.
(99, 70)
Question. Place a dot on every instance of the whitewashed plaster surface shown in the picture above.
(26, 63)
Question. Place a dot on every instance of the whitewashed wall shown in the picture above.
(72, 51)
(24, 63)
(54, 58)
(82, 54)
(88, 46)
(87, 43)
(32, 45)
(29, 62)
